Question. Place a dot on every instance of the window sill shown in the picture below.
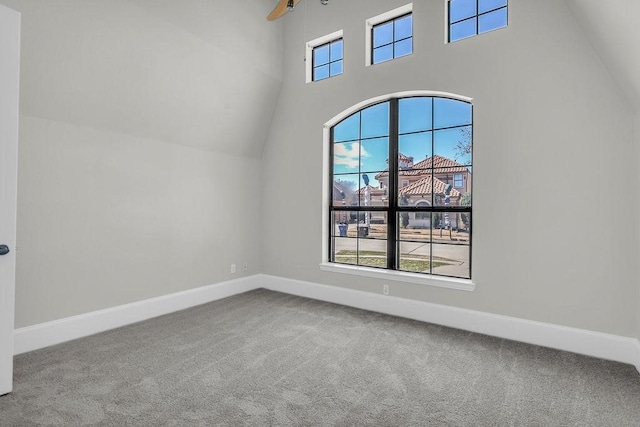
(401, 276)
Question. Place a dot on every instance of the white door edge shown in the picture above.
(9, 114)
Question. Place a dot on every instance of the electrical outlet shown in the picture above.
(245, 266)
(233, 268)
(385, 289)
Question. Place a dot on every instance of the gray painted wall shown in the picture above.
(142, 127)
(552, 138)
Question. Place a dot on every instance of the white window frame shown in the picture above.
(319, 42)
(379, 273)
(372, 22)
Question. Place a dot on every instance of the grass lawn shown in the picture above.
(379, 259)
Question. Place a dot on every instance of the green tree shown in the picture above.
(465, 200)
(464, 145)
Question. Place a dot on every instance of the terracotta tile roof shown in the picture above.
(440, 165)
(424, 186)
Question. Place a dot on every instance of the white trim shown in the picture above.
(581, 341)
(381, 98)
(443, 282)
(317, 42)
(58, 331)
(371, 22)
(10, 23)
(401, 276)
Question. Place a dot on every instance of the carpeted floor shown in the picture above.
(265, 358)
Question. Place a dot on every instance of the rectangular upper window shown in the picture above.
(325, 57)
(467, 18)
(389, 35)
(327, 60)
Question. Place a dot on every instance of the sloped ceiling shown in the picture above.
(201, 73)
(613, 28)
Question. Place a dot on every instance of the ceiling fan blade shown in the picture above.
(280, 9)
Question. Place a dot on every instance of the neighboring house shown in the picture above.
(420, 183)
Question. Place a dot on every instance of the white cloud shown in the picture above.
(348, 154)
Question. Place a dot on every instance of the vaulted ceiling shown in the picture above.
(205, 73)
(613, 29)
(200, 73)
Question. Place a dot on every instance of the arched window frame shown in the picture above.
(326, 265)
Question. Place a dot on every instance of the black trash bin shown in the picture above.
(363, 231)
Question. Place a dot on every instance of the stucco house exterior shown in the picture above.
(421, 184)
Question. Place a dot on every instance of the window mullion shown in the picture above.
(392, 215)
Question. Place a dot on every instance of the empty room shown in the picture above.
(319, 212)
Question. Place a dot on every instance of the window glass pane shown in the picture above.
(415, 145)
(382, 54)
(372, 243)
(340, 218)
(403, 27)
(348, 129)
(487, 5)
(348, 184)
(336, 50)
(321, 55)
(492, 21)
(374, 154)
(383, 34)
(453, 144)
(451, 260)
(404, 47)
(461, 9)
(415, 114)
(415, 186)
(450, 112)
(464, 224)
(462, 30)
(375, 120)
(346, 157)
(336, 68)
(444, 193)
(372, 225)
(415, 256)
(320, 73)
(344, 194)
(466, 189)
(415, 226)
(345, 249)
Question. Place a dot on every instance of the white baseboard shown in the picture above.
(581, 341)
(595, 344)
(58, 331)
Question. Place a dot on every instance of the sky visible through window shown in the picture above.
(327, 60)
(427, 126)
(470, 17)
(393, 39)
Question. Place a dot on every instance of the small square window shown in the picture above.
(393, 39)
(325, 57)
(467, 18)
(327, 60)
(389, 35)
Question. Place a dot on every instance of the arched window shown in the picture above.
(405, 163)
